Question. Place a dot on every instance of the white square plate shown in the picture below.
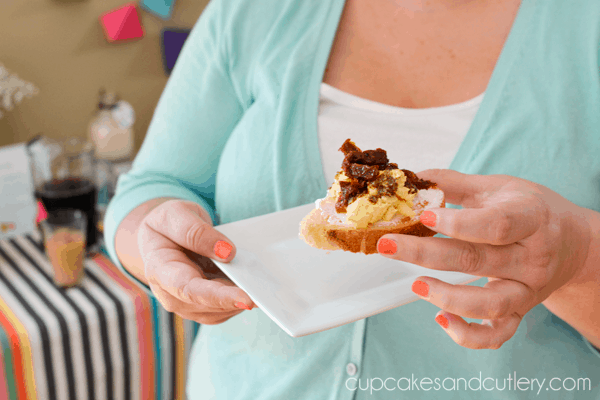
(306, 290)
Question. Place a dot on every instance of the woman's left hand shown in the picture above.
(528, 240)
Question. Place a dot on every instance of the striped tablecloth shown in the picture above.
(105, 339)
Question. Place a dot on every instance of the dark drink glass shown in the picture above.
(72, 192)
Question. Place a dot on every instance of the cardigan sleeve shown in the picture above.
(195, 116)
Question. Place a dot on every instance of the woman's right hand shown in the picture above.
(176, 242)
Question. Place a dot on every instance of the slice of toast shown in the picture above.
(325, 229)
(383, 198)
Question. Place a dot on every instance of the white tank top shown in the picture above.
(415, 139)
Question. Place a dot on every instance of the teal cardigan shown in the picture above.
(236, 131)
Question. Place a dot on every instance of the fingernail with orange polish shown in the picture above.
(420, 288)
(428, 218)
(222, 249)
(245, 306)
(443, 321)
(386, 246)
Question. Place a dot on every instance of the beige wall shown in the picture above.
(59, 46)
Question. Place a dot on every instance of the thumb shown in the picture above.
(188, 225)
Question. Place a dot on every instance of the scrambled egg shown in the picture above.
(361, 212)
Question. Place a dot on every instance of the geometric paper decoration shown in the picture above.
(122, 23)
(42, 214)
(162, 8)
(172, 40)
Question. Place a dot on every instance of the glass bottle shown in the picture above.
(111, 129)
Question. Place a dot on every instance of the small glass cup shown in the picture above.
(65, 241)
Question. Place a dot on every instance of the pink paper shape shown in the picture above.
(42, 213)
(122, 23)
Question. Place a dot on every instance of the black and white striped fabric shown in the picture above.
(103, 339)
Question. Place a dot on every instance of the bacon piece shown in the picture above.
(386, 185)
(349, 147)
(414, 183)
(366, 172)
(349, 190)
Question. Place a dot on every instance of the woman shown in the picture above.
(241, 131)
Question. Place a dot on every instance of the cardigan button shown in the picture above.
(351, 369)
